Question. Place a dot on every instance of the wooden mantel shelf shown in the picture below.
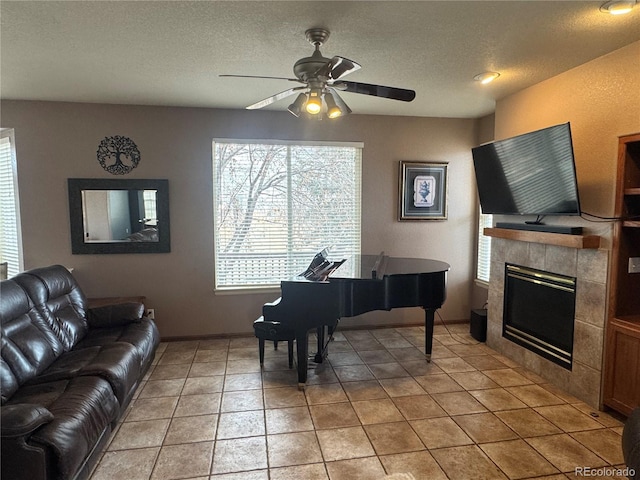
(559, 239)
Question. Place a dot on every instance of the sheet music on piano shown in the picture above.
(320, 267)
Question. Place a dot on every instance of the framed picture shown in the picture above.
(422, 191)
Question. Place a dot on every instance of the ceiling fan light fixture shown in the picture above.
(333, 110)
(314, 102)
(296, 107)
(486, 77)
(618, 7)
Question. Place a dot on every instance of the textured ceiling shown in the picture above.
(171, 53)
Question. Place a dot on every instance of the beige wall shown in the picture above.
(56, 141)
(480, 292)
(601, 99)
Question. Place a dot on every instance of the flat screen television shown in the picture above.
(531, 174)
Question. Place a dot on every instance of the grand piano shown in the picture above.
(330, 290)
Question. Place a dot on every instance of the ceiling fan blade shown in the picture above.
(337, 67)
(340, 102)
(274, 98)
(344, 67)
(392, 93)
(259, 76)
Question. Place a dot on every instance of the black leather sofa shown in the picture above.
(631, 444)
(67, 373)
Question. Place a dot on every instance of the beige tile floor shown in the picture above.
(206, 411)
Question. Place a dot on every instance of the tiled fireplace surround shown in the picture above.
(589, 266)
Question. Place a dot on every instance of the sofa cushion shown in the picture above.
(142, 334)
(83, 410)
(59, 299)
(28, 346)
(118, 363)
(8, 382)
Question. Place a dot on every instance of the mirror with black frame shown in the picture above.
(119, 216)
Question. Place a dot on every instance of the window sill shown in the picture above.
(246, 290)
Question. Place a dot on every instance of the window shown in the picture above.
(276, 204)
(10, 236)
(150, 208)
(483, 268)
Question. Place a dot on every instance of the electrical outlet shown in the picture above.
(150, 313)
(634, 265)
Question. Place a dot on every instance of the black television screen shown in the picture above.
(531, 174)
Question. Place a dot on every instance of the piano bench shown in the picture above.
(275, 332)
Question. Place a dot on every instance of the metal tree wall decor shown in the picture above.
(118, 155)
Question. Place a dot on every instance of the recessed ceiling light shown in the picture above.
(486, 77)
(618, 7)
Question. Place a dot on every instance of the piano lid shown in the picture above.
(361, 266)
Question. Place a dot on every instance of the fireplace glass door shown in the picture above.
(539, 311)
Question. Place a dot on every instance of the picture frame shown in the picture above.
(422, 190)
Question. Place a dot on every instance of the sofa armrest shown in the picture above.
(115, 315)
(631, 443)
(23, 418)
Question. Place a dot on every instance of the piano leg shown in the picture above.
(302, 339)
(429, 314)
(320, 352)
(261, 351)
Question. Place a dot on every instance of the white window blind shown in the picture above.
(276, 204)
(10, 236)
(483, 268)
(150, 209)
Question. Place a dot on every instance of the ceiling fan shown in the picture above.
(322, 79)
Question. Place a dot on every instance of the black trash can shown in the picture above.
(478, 324)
